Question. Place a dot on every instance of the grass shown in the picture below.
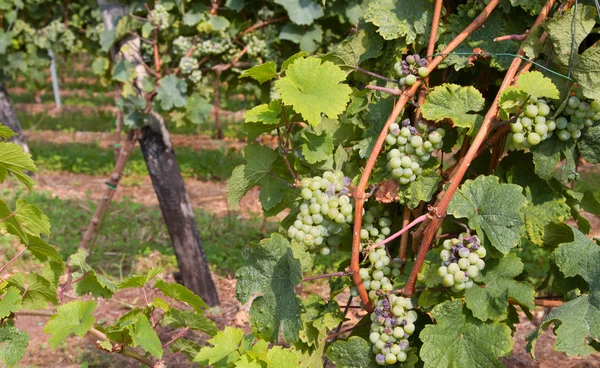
(89, 159)
(135, 237)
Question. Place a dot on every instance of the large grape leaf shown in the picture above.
(137, 281)
(71, 318)
(578, 321)
(589, 144)
(15, 161)
(317, 147)
(454, 102)
(536, 85)
(302, 12)
(313, 88)
(13, 343)
(36, 291)
(547, 155)
(491, 301)
(493, 210)
(176, 318)
(586, 71)
(537, 216)
(142, 334)
(460, 340)
(197, 108)
(272, 272)
(171, 92)
(43, 251)
(32, 219)
(90, 281)
(265, 114)
(397, 19)
(224, 349)
(351, 52)
(261, 73)
(356, 352)
(181, 293)
(10, 302)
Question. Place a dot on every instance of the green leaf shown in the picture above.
(141, 280)
(549, 153)
(176, 318)
(90, 281)
(107, 39)
(71, 318)
(197, 108)
(354, 50)
(181, 293)
(265, 113)
(13, 160)
(123, 71)
(279, 357)
(32, 219)
(316, 147)
(289, 61)
(272, 271)
(538, 216)
(536, 85)
(171, 92)
(511, 101)
(354, 353)
(187, 347)
(143, 335)
(409, 19)
(586, 72)
(492, 210)
(421, 189)
(13, 343)
(312, 89)
(43, 251)
(459, 340)
(318, 318)
(10, 302)
(308, 38)
(302, 12)
(451, 101)
(579, 257)
(224, 349)
(36, 291)
(261, 73)
(589, 144)
(218, 22)
(236, 5)
(491, 302)
(6, 132)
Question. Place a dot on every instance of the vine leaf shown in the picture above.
(176, 318)
(265, 113)
(317, 147)
(491, 301)
(407, 19)
(171, 92)
(312, 89)
(536, 85)
(308, 38)
(547, 154)
(32, 219)
(10, 302)
(318, 318)
(586, 72)
(460, 340)
(13, 343)
(38, 293)
(142, 334)
(15, 161)
(71, 318)
(493, 210)
(43, 251)
(578, 321)
(197, 108)
(6, 132)
(361, 46)
(537, 216)
(140, 280)
(90, 282)
(261, 73)
(181, 293)
(271, 271)
(421, 189)
(589, 144)
(187, 347)
(302, 12)
(224, 349)
(356, 352)
(451, 101)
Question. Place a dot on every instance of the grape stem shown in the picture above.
(13, 259)
(327, 275)
(512, 37)
(398, 108)
(391, 91)
(375, 75)
(397, 234)
(439, 211)
(261, 24)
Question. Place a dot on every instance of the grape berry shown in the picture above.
(462, 261)
(410, 68)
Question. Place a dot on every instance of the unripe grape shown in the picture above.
(533, 139)
(531, 111)
(473, 271)
(448, 280)
(410, 80)
(573, 102)
(423, 72)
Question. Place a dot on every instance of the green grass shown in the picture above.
(89, 159)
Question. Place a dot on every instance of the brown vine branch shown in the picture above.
(261, 24)
(326, 275)
(13, 259)
(362, 185)
(439, 212)
(391, 91)
(512, 37)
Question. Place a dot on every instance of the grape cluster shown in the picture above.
(377, 275)
(392, 323)
(181, 45)
(324, 213)
(411, 150)
(410, 68)
(195, 76)
(461, 261)
(532, 126)
(376, 225)
(188, 64)
(159, 16)
(215, 45)
(258, 45)
(472, 8)
(577, 115)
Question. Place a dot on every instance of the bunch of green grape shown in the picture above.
(159, 16)
(577, 115)
(410, 149)
(181, 45)
(325, 212)
(533, 124)
(392, 323)
(375, 226)
(215, 45)
(188, 64)
(462, 260)
(195, 76)
(376, 276)
(409, 69)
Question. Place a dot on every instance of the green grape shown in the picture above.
(159, 16)
(410, 80)
(461, 261)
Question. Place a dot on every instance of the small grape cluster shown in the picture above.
(411, 150)
(195, 76)
(215, 45)
(324, 213)
(472, 8)
(159, 16)
(461, 261)
(577, 115)
(188, 64)
(181, 45)
(392, 323)
(410, 68)
(376, 225)
(532, 126)
(377, 275)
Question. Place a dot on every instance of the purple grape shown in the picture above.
(415, 72)
(344, 191)
(394, 322)
(378, 311)
(423, 62)
(405, 122)
(417, 57)
(446, 263)
(403, 323)
(388, 321)
(403, 344)
(413, 130)
(394, 132)
(330, 191)
(475, 246)
(380, 358)
(386, 304)
(346, 180)
(389, 343)
(380, 320)
(388, 331)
